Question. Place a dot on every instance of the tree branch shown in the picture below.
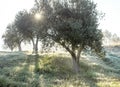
(68, 49)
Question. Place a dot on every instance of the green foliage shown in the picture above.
(31, 28)
(37, 65)
(8, 39)
(3, 82)
(55, 65)
(76, 26)
(23, 22)
(12, 38)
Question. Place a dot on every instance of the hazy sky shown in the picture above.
(111, 21)
(111, 8)
(8, 10)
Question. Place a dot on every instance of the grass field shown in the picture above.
(17, 69)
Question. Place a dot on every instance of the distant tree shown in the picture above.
(74, 25)
(107, 34)
(33, 24)
(25, 25)
(107, 37)
(110, 39)
(115, 39)
(7, 42)
(12, 38)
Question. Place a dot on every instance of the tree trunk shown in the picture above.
(76, 67)
(11, 50)
(36, 56)
(76, 59)
(35, 49)
(78, 54)
(35, 46)
(19, 47)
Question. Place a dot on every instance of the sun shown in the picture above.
(38, 16)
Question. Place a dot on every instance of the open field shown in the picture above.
(17, 69)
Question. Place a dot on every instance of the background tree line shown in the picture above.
(110, 39)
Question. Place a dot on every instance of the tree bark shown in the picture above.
(78, 55)
(76, 59)
(11, 50)
(76, 67)
(36, 55)
(19, 47)
(35, 46)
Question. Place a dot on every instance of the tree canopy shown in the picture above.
(12, 38)
(74, 25)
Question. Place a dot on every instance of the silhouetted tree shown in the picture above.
(12, 38)
(31, 27)
(74, 25)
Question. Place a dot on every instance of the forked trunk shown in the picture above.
(75, 54)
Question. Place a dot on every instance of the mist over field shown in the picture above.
(60, 43)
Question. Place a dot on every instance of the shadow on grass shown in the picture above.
(53, 71)
(28, 75)
(10, 72)
(58, 71)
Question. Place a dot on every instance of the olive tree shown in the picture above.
(12, 38)
(33, 24)
(27, 25)
(74, 25)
